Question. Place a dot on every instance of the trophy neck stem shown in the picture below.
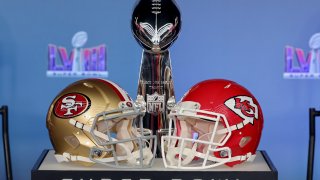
(154, 55)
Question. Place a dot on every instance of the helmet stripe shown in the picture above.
(117, 89)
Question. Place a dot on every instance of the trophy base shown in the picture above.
(49, 169)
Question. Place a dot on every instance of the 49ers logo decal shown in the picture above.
(71, 105)
(244, 107)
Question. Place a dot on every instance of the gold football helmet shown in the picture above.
(95, 121)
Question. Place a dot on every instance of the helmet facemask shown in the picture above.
(119, 141)
(197, 137)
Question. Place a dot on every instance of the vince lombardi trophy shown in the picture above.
(155, 25)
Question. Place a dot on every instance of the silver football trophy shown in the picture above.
(156, 25)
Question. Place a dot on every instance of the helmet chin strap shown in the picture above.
(67, 157)
(122, 133)
(133, 158)
(180, 155)
(185, 154)
(136, 156)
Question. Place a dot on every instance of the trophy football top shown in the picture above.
(156, 24)
(79, 39)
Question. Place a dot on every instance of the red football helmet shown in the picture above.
(216, 122)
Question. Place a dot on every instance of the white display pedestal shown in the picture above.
(47, 168)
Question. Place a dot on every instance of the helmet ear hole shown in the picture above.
(244, 141)
(72, 141)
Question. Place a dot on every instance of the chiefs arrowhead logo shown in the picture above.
(71, 105)
(244, 107)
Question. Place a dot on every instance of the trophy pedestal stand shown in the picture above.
(49, 169)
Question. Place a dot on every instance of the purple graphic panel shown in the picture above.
(92, 59)
(305, 66)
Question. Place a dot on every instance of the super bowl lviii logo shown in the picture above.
(82, 62)
(301, 66)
